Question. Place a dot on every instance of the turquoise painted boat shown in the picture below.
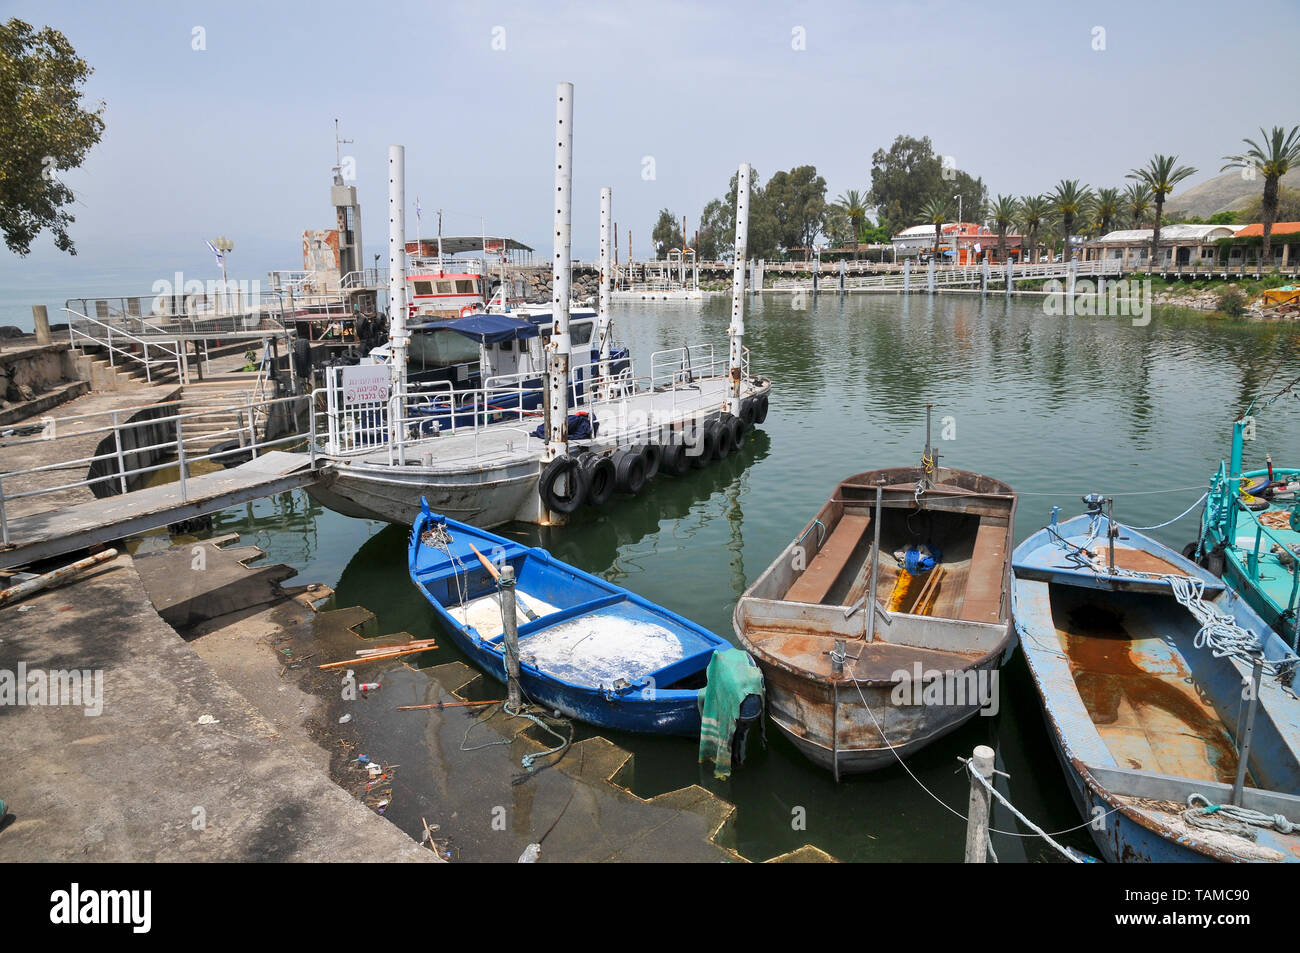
(1250, 534)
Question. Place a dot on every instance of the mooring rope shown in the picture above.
(1178, 517)
(944, 804)
(1231, 819)
(988, 786)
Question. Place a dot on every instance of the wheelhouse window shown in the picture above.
(435, 349)
(465, 286)
(423, 288)
(581, 333)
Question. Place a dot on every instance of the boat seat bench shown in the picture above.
(821, 574)
(983, 601)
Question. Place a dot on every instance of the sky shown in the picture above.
(220, 116)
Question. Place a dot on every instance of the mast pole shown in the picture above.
(737, 329)
(560, 347)
(397, 289)
(606, 216)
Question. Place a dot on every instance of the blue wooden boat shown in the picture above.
(1142, 714)
(596, 652)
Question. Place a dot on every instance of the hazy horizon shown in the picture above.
(238, 138)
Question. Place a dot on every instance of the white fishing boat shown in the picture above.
(546, 424)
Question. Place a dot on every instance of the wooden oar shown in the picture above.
(519, 599)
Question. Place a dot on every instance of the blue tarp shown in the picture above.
(581, 427)
(484, 328)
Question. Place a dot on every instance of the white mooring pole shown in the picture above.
(606, 235)
(977, 816)
(397, 291)
(560, 347)
(737, 329)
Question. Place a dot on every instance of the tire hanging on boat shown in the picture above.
(747, 413)
(760, 408)
(576, 481)
(733, 433)
(721, 437)
(674, 460)
(706, 445)
(653, 455)
(599, 471)
(629, 471)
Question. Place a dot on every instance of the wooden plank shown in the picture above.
(817, 580)
(983, 602)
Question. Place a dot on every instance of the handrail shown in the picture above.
(175, 351)
(119, 453)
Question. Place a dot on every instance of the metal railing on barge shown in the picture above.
(394, 424)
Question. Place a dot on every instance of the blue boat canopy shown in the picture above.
(484, 328)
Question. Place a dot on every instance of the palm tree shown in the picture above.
(854, 205)
(934, 212)
(1281, 151)
(1109, 205)
(1069, 201)
(1160, 175)
(1034, 210)
(1137, 203)
(1004, 211)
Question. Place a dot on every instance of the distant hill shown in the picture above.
(1223, 193)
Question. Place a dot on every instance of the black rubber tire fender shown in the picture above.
(629, 471)
(653, 455)
(736, 427)
(302, 357)
(674, 460)
(746, 415)
(600, 478)
(706, 447)
(563, 465)
(760, 408)
(721, 438)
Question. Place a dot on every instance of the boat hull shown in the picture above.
(1127, 695)
(829, 722)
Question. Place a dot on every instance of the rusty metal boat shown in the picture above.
(1170, 702)
(882, 626)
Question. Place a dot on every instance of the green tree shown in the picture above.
(1034, 210)
(1280, 151)
(1160, 175)
(903, 179)
(1108, 208)
(1137, 203)
(667, 233)
(974, 195)
(934, 212)
(1004, 211)
(797, 200)
(1069, 202)
(44, 129)
(719, 219)
(708, 245)
(854, 205)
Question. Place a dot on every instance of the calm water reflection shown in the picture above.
(1056, 406)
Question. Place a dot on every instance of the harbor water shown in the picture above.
(1057, 406)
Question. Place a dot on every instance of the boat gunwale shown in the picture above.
(1009, 498)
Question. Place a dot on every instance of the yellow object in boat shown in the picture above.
(902, 586)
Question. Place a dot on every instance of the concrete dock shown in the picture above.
(150, 778)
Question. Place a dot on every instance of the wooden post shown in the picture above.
(41, 319)
(977, 815)
(509, 627)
